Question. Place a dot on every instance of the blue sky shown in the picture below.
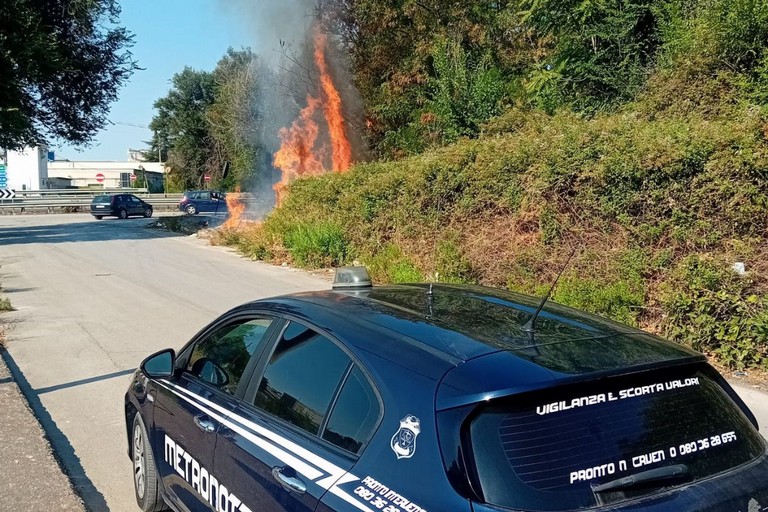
(169, 34)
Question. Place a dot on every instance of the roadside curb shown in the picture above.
(32, 475)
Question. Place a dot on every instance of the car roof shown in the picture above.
(457, 323)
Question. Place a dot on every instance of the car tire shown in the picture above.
(145, 478)
(191, 209)
(148, 212)
(122, 213)
(99, 217)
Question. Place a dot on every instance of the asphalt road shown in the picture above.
(94, 298)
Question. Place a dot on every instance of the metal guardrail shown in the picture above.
(90, 192)
(78, 199)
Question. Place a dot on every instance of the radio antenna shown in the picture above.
(530, 326)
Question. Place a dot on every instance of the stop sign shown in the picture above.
(133, 177)
(100, 178)
(207, 178)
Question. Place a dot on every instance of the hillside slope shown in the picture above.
(660, 199)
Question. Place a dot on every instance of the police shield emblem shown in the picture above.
(404, 441)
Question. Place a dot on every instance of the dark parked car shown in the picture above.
(439, 398)
(119, 205)
(203, 201)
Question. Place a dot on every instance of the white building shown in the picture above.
(30, 169)
(81, 174)
(27, 169)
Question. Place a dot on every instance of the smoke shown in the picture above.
(281, 35)
(272, 22)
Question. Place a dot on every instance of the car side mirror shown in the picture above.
(209, 371)
(160, 364)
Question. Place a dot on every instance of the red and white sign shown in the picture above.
(100, 178)
(133, 177)
(207, 178)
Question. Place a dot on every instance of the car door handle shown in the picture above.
(287, 478)
(205, 424)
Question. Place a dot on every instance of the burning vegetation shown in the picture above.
(304, 149)
(235, 209)
(317, 141)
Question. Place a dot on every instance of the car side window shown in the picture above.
(301, 377)
(205, 196)
(134, 199)
(221, 357)
(355, 414)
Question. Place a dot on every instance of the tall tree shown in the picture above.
(602, 50)
(62, 63)
(431, 70)
(180, 125)
(209, 120)
(235, 117)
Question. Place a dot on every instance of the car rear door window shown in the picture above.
(302, 377)
(566, 448)
(220, 358)
(355, 414)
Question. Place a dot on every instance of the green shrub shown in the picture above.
(316, 244)
(5, 304)
(679, 171)
(549, 226)
(712, 309)
(450, 264)
(466, 90)
(390, 265)
(617, 300)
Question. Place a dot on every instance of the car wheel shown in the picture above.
(144, 471)
(191, 209)
(99, 217)
(122, 213)
(148, 212)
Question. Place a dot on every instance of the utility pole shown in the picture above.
(160, 160)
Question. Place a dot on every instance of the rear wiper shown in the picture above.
(644, 477)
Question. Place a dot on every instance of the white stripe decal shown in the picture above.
(297, 464)
(337, 476)
(285, 443)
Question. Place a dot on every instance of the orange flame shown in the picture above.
(342, 151)
(235, 209)
(296, 157)
(299, 154)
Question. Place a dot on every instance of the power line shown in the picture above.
(129, 124)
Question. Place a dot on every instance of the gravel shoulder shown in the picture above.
(31, 475)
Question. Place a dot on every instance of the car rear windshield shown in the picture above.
(102, 199)
(554, 450)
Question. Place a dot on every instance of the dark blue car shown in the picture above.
(436, 398)
(203, 201)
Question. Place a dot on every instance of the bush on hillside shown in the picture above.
(657, 195)
(637, 193)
